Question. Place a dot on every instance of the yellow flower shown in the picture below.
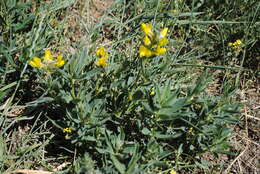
(153, 42)
(152, 93)
(238, 42)
(145, 52)
(60, 61)
(163, 33)
(163, 41)
(67, 130)
(173, 172)
(190, 130)
(36, 62)
(101, 52)
(230, 44)
(147, 41)
(103, 55)
(160, 51)
(48, 57)
(102, 62)
(147, 29)
(236, 45)
(47, 62)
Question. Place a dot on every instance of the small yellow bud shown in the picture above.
(190, 130)
(152, 93)
(67, 130)
(230, 44)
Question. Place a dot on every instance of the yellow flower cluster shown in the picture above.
(236, 45)
(67, 130)
(47, 61)
(153, 42)
(153, 45)
(103, 55)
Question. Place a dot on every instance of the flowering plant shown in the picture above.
(47, 62)
(153, 42)
(103, 55)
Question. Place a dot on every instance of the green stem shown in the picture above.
(240, 69)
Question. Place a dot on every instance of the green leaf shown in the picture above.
(147, 107)
(119, 166)
(166, 92)
(88, 75)
(10, 59)
(8, 86)
(173, 111)
(40, 101)
(10, 4)
(21, 26)
(133, 162)
(175, 104)
(200, 85)
(164, 154)
(19, 6)
(90, 138)
(104, 151)
(167, 114)
(167, 136)
(146, 131)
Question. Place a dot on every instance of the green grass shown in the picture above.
(136, 115)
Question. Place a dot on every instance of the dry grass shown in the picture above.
(247, 137)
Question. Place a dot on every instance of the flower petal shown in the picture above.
(147, 29)
(230, 44)
(102, 62)
(163, 32)
(160, 51)
(145, 52)
(48, 57)
(59, 63)
(36, 62)
(101, 52)
(147, 41)
(238, 42)
(163, 41)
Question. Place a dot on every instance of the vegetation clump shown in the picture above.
(139, 103)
